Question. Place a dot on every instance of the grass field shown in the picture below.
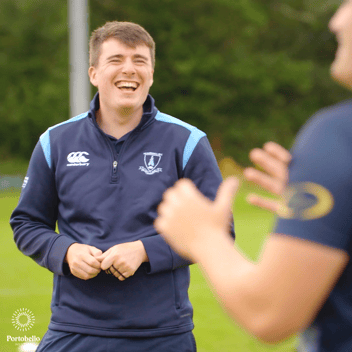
(26, 285)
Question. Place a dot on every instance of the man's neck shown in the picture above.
(117, 124)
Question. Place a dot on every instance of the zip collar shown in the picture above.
(148, 117)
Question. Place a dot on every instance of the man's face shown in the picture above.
(123, 76)
(341, 25)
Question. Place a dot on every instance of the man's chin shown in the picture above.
(126, 104)
(342, 74)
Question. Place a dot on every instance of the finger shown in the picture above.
(262, 179)
(174, 196)
(268, 163)
(124, 275)
(169, 192)
(85, 263)
(90, 269)
(91, 262)
(95, 251)
(264, 203)
(106, 263)
(103, 255)
(161, 208)
(100, 258)
(159, 222)
(117, 273)
(226, 192)
(84, 271)
(278, 152)
(184, 186)
(162, 226)
(79, 273)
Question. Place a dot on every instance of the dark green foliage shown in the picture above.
(34, 72)
(243, 71)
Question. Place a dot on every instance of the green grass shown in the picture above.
(26, 285)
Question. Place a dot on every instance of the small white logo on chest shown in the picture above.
(77, 159)
(151, 161)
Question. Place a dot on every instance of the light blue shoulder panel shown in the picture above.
(45, 137)
(193, 138)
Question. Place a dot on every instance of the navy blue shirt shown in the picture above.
(319, 209)
(118, 143)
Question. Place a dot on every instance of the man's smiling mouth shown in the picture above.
(127, 85)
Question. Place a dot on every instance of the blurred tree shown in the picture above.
(243, 71)
(34, 63)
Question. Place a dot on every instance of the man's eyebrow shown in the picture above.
(139, 56)
(117, 56)
(120, 56)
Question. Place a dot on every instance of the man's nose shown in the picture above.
(128, 67)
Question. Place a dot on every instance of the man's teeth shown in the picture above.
(133, 85)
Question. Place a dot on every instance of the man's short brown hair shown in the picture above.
(128, 33)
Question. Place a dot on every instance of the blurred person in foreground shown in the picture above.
(302, 281)
(101, 176)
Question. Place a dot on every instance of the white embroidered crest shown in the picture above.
(151, 161)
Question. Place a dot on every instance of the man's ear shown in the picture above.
(92, 72)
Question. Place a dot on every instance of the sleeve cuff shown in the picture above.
(56, 256)
(159, 254)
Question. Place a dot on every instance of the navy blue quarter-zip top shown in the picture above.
(101, 196)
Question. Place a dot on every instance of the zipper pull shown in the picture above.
(114, 165)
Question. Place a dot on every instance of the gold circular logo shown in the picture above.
(306, 201)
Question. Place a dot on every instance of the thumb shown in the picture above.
(95, 252)
(101, 256)
(225, 195)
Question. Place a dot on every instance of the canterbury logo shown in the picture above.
(77, 159)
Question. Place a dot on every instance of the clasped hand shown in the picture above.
(121, 260)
